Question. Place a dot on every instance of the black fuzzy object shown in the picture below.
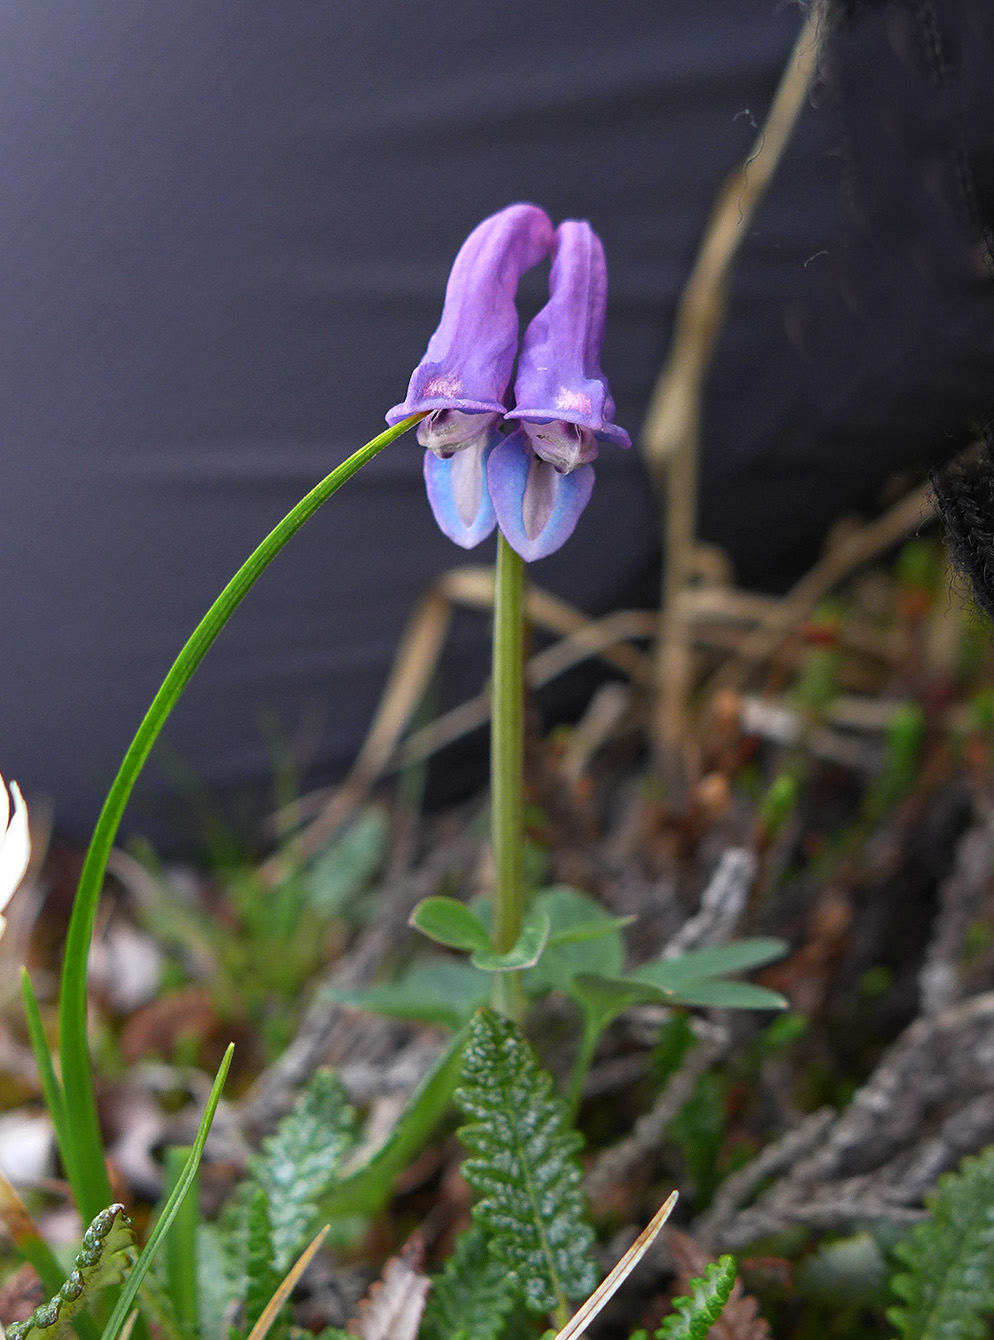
(964, 495)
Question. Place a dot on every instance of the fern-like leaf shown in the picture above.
(103, 1260)
(692, 1317)
(299, 1163)
(525, 1168)
(261, 1276)
(947, 1286)
(471, 1298)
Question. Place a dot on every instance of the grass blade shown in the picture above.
(172, 1207)
(50, 1086)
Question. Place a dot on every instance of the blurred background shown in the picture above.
(225, 237)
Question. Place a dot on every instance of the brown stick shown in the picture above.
(671, 434)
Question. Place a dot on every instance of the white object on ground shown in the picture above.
(15, 844)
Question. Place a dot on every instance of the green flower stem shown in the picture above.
(507, 756)
(592, 1029)
(91, 1185)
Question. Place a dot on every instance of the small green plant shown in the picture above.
(945, 1276)
(694, 1315)
(528, 1258)
(104, 1259)
(524, 1168)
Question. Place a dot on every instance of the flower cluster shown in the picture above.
(535, 480)
(15, 844)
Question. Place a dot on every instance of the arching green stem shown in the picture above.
(85, 1160)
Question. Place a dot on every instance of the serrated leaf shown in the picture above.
(695, 1314)
(103, 1260)
(947, 1286)
(300, 1163)
(443, 991)
(261, 1275)
(450, 922)
(714, 961)
(525, 1166)
(525, 953)
(471, 1297)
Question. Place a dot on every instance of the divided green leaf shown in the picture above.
(947, 1286)
(300, 1163)
(694, 1315)
(103, 1260)
(472, 1297)
(525, 1167)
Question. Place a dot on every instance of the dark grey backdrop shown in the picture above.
(224, 236)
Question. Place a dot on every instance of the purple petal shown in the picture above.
(559, 378)
(457, 491)
(467, 365)
(537, 507)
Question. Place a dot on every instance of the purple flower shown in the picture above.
(540, 478)
(464, 374)
(535, 482)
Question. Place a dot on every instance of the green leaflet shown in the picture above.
(262, 1279)
(692, 1317)
(103, 1260)
(525, 1168)
(472, 1298)
(300, 1163)
(947, 1288)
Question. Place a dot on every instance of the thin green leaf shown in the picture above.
(366, 1187)
(130, 1290)
(718, 993)
(50, 1086)
(450, 922)
(89, 1175)
(714, 961)
(525, 953)
(524, 1166)
(442, 991)
(180, 1249)
(589, 930)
